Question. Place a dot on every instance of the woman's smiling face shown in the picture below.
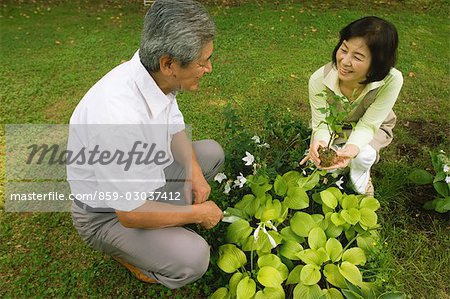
(353, 61)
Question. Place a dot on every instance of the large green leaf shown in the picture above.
(291, 177)
(440, 176)
(317, 238)
(337, 219)
(269, 214)
(316, 197)
(420, 177)
(249, 204)
(336, 192)
(332, 293)
(249, 244)
(273, 261)
(221, 293)
(366, 242)
(246, 288)
(352, 295)
(354, 255)
(369, 203)
(442, 205)
(231, 258)
(269, 277)
(280, 186)
(333, 231)
(272, 210)
(290, 249)
(289, 235)
(270, 293)
(302, 223)
(259, 185)
(328, 199)
(333, 276)
(442, 188)
(263, 244)
(392, 295)
(334, 249)
(310, 274)
(294, 275)
(351, 273)
(233, 283)
(309, 182)
(368, 218)
(235, 212)
(349, 201)
(351, 216)
(296, 198)
(310, 256)
(302, 291)
(238, 231)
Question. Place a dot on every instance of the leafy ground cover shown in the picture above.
(53, 51)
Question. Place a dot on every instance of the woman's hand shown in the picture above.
(344, 156)
(313, 154)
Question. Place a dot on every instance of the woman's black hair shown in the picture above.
(382, 40)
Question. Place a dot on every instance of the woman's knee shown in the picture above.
(365, 159)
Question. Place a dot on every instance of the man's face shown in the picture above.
(187, 78)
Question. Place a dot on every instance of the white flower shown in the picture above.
(249, 159)
(220, 177)
(256, 232)
(240, 180)
(262, 225)
(227, 187)
(256, 139)
(339, 183)
(271, 239)
(265, 144)
(447, 179)
(446, 168)
(304, 172)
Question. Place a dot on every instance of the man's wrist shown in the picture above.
(197, 214)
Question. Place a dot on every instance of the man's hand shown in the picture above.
(200, 186)
(209, 214)
(313, 152)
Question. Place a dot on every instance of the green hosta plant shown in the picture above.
(440, 181)
(337, 111)
(275, 241)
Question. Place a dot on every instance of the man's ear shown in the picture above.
(166, 65)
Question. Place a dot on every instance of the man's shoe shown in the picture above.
(136, 272)
(370, 190)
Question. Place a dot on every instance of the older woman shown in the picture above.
(362, 70)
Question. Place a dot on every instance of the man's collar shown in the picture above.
(331, 81)
(156, 100)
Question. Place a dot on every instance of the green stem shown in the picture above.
(349, 243)
(251, 261)
(332, 137)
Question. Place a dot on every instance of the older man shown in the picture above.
(135, 104)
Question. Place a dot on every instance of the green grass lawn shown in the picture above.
(53, 51)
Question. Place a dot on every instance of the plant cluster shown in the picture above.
(440, 181)
(297, 233)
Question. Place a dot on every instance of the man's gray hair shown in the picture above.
(178, 28)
